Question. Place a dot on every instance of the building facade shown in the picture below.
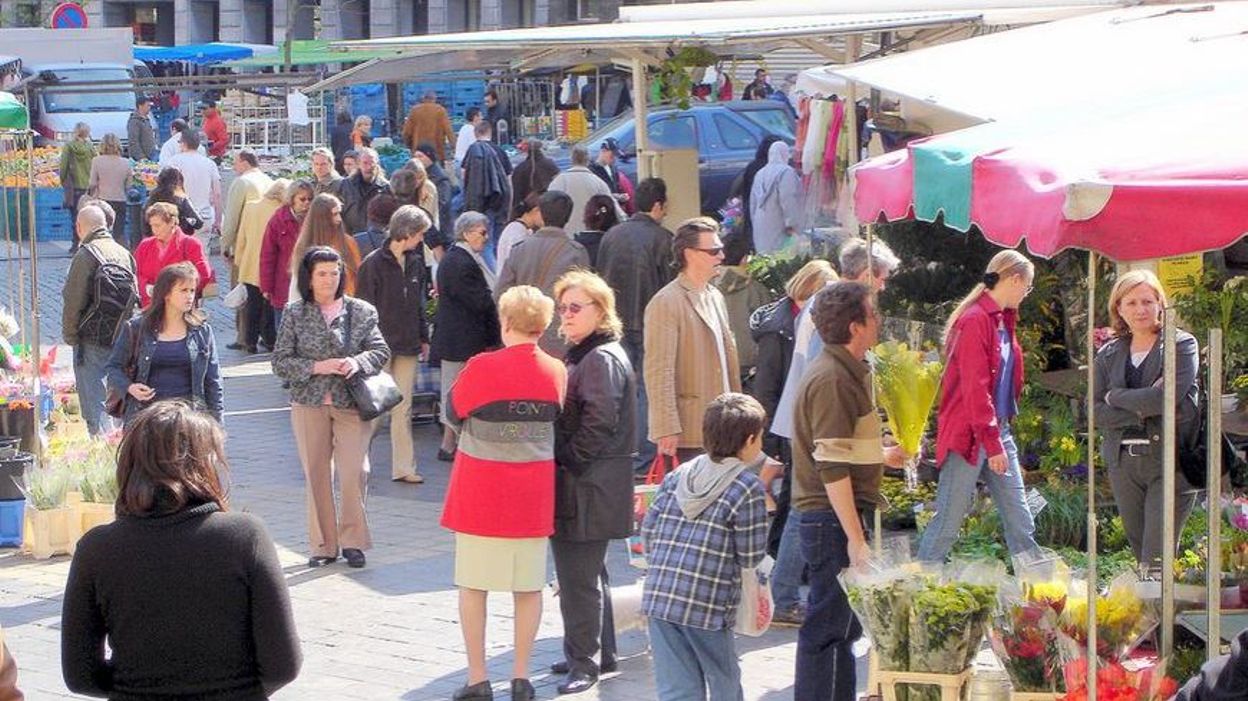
(179, 22)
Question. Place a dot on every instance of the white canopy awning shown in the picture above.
(1099, 59)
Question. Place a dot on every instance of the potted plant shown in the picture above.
(48, 516)
(1239, 386)
(98, 485)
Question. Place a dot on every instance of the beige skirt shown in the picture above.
(500, 564)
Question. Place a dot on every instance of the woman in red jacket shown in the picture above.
(979, 396)
(501, 499)
(279, 245)
(167, 245)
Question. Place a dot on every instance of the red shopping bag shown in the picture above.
(643, 497)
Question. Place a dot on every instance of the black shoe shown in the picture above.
(321, 560)
(354, 557)
(576, 682)
(250, 350)
(446, 455)
(522, 690)
(234, 346)
(477, 692)
(607, 667)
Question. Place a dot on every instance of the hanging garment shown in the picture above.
(816, 136)
(803, 128)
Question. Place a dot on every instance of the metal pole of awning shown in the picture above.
(640, 121)
(1168, 485)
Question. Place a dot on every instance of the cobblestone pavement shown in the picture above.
(389, 631)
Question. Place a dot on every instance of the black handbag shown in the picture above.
(1193, 457)
(374, 394)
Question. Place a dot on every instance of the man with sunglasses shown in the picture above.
(690, 355)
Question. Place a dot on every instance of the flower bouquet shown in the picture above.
(1024, 636)
(906, 387)
(947, 621)
(882, 603)
(1118, 682)
(1121, 618)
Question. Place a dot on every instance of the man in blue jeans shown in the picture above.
(838, 462)
(94, 309)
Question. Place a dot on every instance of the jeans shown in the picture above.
(634, 346)
(277, 322)
(956, 493)
(89, 362)
(825, 657)
(786, 577)
(689, 662)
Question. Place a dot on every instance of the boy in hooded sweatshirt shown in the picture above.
(707, 522)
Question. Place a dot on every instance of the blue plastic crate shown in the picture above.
(11, 513)
(52, 220)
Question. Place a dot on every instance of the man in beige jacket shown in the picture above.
(690, 354)
(250, 184)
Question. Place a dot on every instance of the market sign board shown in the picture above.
(1179, 274)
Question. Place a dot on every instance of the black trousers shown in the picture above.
(259, 319)
(584, 602)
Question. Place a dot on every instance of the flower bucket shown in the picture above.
(88, 515)
(11, 513)
(11, 470)
(51, 532)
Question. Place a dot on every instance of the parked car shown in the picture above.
(726, 135)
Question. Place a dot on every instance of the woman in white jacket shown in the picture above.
(776, 202)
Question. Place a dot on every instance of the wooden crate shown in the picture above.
(951, 686)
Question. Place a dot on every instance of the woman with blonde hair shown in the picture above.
(1129, 403)
(75, 168)
(501, 500)
(594, 442)
(774, 327)
(110, 176)
(322, 226)
(362, 134)
(978, 398)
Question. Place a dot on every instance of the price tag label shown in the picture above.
(1036, 502)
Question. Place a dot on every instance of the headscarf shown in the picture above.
(751, 171)
(777, 165)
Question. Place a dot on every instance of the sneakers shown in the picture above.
(790, 616)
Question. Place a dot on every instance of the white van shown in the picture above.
(54, 114)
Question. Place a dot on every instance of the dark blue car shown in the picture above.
(726, 135)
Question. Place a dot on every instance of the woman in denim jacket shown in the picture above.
(168, 351)
(326, 337)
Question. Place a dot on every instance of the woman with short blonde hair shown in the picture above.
(499, 503)
(808, 280)
(108, 181)
(1128, 403)
(595, 437)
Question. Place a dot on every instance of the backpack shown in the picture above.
(116, 292)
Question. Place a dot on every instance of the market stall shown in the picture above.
(1131, 175)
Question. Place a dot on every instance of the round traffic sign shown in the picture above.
(69, 15)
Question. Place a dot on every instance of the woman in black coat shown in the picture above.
(534, 174)
(595, 437)
(467, 319)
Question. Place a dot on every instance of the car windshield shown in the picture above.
(59, 102)
(772, 121)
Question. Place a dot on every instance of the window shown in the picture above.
(772, 121)
(734, 136)
(671, 131)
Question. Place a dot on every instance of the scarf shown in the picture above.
(490, 278)
(578, 352)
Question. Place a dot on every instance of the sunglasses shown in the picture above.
(573, 307)
(712, 252)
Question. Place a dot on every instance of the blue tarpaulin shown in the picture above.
(195, 53)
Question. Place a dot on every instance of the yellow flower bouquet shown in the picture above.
(1121, 618)
(906, 386)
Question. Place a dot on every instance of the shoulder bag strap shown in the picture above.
(549, 260)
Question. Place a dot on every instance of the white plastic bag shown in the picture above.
(755, 609)
(236, 297)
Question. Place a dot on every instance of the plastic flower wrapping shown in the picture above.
(924, 619)
(1117, 681)
(1122, 619)
(906, 388)
(1024, 634)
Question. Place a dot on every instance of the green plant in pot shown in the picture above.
(46, 488)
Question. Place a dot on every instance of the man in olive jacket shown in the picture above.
(543, 258)
(88, 322)
(140, 137)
